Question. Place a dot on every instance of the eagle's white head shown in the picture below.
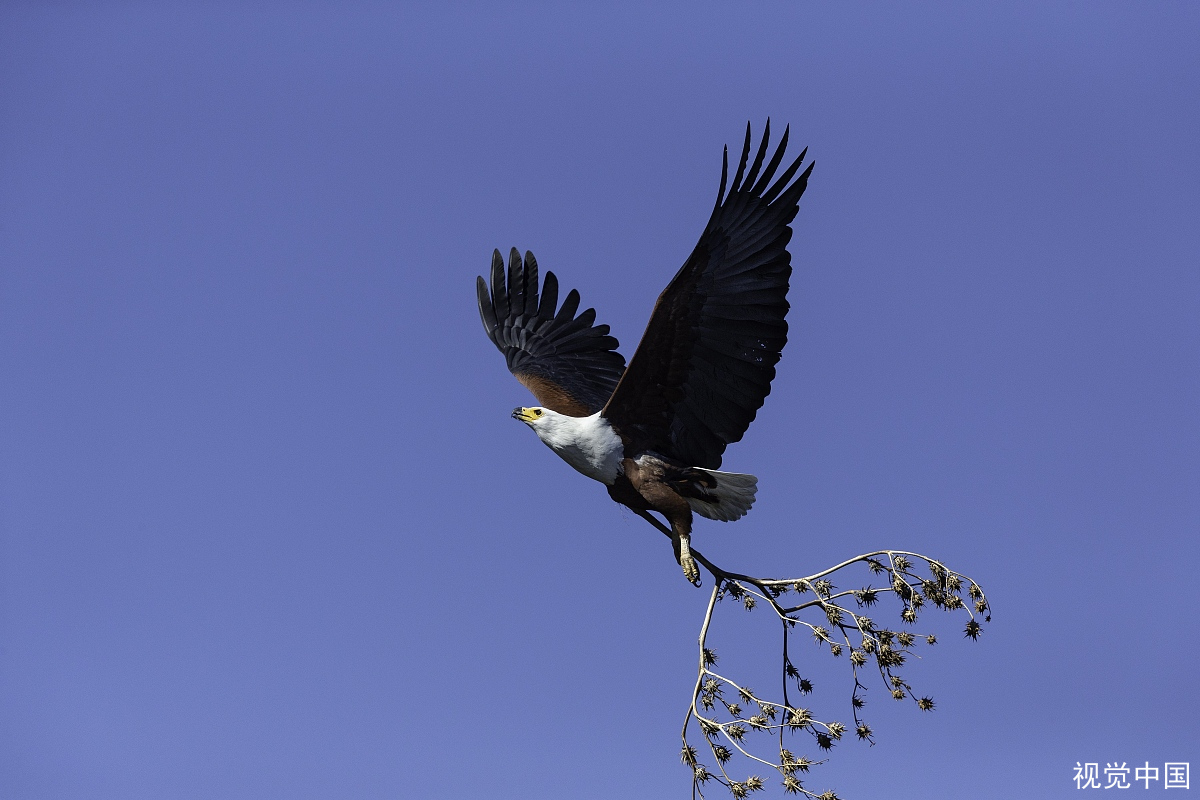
(588, 444)
(553, 428)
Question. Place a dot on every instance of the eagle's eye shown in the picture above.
(537, 412)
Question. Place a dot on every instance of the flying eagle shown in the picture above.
(654, 432)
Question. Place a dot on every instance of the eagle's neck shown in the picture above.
(589, 444)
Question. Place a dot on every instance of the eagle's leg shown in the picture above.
(681, 539)
(680, 542)
(683, 554)
(679, 514)
(643, 489)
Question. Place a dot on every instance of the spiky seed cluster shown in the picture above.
(887, 657)
(866, 596)
(751, 784)
(789, 763)
(932, 592)
(799, 717)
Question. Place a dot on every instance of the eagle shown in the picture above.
(653, 432)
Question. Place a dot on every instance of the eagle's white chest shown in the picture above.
(588, 444)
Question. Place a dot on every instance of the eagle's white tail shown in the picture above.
(734, 494)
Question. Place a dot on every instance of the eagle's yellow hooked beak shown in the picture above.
(526, 415)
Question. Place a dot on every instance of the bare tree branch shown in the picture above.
(734, 721)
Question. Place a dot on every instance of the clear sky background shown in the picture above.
(268, 530)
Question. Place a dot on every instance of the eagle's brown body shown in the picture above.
(651, 483)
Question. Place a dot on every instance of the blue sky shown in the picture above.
(267, 530)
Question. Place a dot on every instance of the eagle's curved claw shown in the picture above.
(690, 570)
(683, 554)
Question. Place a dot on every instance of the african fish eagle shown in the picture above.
(654, 432)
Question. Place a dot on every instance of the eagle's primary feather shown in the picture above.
(707, 359)
(569, 363)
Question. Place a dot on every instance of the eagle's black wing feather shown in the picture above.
(568, 362)
(707, 358)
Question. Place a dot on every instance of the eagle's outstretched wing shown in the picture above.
(707, 358)
(569, 363)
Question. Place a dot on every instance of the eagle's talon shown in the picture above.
(690, 571)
